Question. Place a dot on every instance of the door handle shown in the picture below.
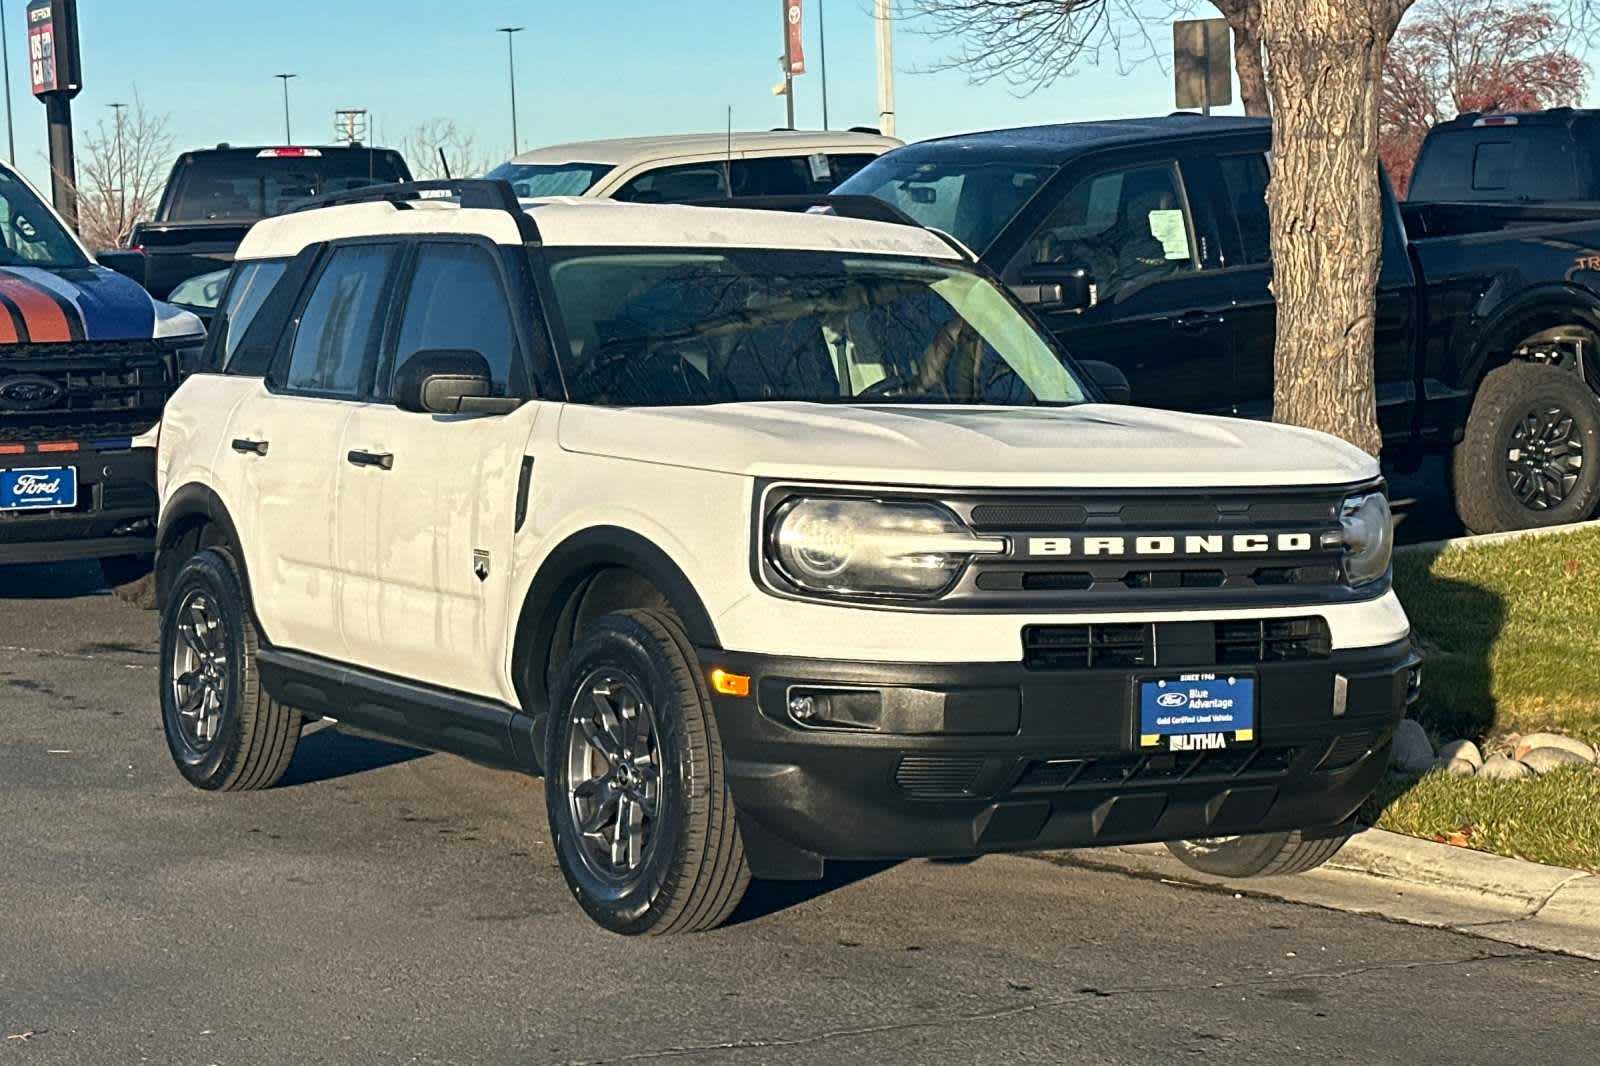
(245, 446)
(381, 460)
(1198, 320)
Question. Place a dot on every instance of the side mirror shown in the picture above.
(1112, 383)
(449, 382)
(129, 264)
(1054, 287)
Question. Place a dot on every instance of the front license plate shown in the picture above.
(42, 488)
(1197, 712)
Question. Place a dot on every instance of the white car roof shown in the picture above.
(578, 222)
(627, 151)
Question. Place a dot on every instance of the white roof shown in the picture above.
(574, 221)
(629, 150)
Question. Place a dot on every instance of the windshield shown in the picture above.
(30, 233)
(245, 186)
(551, 179)
(648, 328)
(970, 201)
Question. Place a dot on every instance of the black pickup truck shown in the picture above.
(1144, 243)
(215, 195)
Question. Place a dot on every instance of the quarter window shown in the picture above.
(251, 284)
(456, 302)
(1127, 227)
(338, 332)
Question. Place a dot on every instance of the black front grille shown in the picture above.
(938, 775)
(106, 388)
(1099, 645)
(1115, 771)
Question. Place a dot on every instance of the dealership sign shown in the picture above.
(53, 47)
(794, 57)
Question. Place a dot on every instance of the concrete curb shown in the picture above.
(1437, 547)
(1419, 882)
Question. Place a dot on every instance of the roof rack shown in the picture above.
(869, 208)
(481, 193)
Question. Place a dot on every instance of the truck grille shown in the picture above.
(1121, 645)
(101, 388)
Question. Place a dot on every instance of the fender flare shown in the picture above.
(1551, 299)
(191, 501)
(572, 562)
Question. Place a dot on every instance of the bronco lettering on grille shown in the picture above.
(1193, 544)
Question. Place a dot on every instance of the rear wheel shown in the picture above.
(640, 812)
(223, 730)
(1531, 454)
(132, 579)
(1260, 855)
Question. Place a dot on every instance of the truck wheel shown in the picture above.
(1262, 855)
(132, 579)
(1531, 454)
(640, 813)
(225, 733)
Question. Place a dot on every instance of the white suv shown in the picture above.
(767, 538)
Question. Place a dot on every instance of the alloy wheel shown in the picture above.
(199, 671)
(613, 774)
(1545, 458)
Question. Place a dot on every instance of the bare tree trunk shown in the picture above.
(1325, 59)
(1244, 18)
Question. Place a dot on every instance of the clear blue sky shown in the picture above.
(590, 69)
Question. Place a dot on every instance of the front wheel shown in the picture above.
(1261, 855)
(640, 813)
(1531, 454)
(223, 730)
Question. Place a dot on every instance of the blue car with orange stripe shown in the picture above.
(87, 361)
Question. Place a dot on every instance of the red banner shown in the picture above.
(794, 56)
(42, 48)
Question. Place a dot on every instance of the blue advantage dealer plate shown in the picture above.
(1197, 712)
(40, 488)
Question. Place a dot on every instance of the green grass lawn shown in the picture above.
(1512, 638)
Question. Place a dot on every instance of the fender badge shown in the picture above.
(480, 563)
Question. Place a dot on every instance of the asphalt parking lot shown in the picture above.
(383, 905)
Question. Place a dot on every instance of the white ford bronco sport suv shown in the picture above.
(767, 539)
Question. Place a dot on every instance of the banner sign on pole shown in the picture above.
(793, 39)
(53, 64)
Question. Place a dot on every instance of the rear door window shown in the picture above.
(1244, 184)
(774, 176)
(339, 329)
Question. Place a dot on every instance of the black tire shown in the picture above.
(236, 738)
(1487, 480)
(132, 579)
(689, 872)
(1261, 855)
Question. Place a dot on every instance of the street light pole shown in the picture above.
(511, 66)
(5, 51)
(122, 174)
(822, 34)
(885, 68)
(288, 133)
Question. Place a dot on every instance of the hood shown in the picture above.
(50, 306)
(1092, 446)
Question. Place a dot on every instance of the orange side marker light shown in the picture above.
(729, 684)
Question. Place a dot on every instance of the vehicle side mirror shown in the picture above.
(1055, 287)
(449, 382)
(1112, 382)
(129, 264)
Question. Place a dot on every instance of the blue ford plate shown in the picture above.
(39, 489)
(1197, 712)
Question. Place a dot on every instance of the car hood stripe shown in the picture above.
(106, 305)
(47, 318)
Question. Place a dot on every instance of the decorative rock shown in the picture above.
(1543, 760)
(1500, 768)
(1457, 767)
(1464, 750)
(1413, 751)
(1535, 741)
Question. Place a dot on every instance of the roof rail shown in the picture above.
(869, 208)
(482, 193)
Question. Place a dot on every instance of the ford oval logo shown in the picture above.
(28, 392)
(1170, 700)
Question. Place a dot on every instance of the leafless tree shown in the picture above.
(422, 147)
(122, 167)
(1031, 44)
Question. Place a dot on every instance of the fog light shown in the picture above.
(803, 708)
(1413, 685)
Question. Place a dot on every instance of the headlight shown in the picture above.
(1368, 537)
(873, 548)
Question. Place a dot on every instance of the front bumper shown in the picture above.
(976, 758)
(115, 514)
